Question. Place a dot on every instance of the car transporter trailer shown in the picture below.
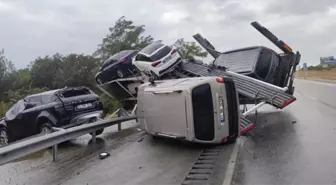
(250, 90)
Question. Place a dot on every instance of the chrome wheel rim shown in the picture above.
(3, 138)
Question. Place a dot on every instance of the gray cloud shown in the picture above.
(302, 7)
(37, 27)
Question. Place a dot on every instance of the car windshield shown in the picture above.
(151, 48)
(162, 53)
(116, 57)
(15, 110)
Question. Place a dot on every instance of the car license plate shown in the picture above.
(84, 106)
(166, 59)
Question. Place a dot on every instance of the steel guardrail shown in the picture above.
(17, 150)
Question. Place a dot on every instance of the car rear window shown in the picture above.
(121, 54)
(117, 57)
(141, 57)
(151, 48)
(75, 92)
(161, 53)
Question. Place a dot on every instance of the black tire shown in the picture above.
(45, 128)
(98, 132)
(5, 137)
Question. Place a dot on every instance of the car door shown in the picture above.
(29, 115)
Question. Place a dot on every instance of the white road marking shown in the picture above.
(232, 163)
(309, 96)
(318, 82)
(324, 83)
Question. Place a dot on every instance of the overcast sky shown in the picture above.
(32, 28)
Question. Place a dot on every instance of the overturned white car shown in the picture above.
(157, 59)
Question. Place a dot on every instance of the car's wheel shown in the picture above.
(4, 136)
(45, 128)
(120, 73)
(98, 132)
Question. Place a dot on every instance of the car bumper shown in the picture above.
(179, 60)
(85, 118)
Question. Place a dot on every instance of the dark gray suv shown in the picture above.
(61, 108)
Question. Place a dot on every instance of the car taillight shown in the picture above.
(174, 51)
(123, 60)
(154, 64)
(220, 80)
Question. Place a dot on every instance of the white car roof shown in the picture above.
(149, 55)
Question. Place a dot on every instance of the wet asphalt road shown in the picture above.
(135, 158)
(293, 146)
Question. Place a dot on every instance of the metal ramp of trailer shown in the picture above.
(246, 86)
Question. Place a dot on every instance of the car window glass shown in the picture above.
(54, 98)
(151, 48)
(141, 57)
(75, 92)
(116, 57)
(15, 110)
(161, 53)
(34, 99)
(46, 99)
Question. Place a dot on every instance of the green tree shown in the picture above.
(3, 108)
(189, 50)
(123, 35)
(44, 70)
(76, 70)
(6, 75)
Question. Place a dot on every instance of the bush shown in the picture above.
(110, 104)
(3, 108)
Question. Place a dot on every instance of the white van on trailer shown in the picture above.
(201, 110)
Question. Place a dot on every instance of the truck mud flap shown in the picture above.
(246, 86)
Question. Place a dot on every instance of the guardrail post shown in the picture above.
(54, 153)
(119, 126)
(94, 138)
